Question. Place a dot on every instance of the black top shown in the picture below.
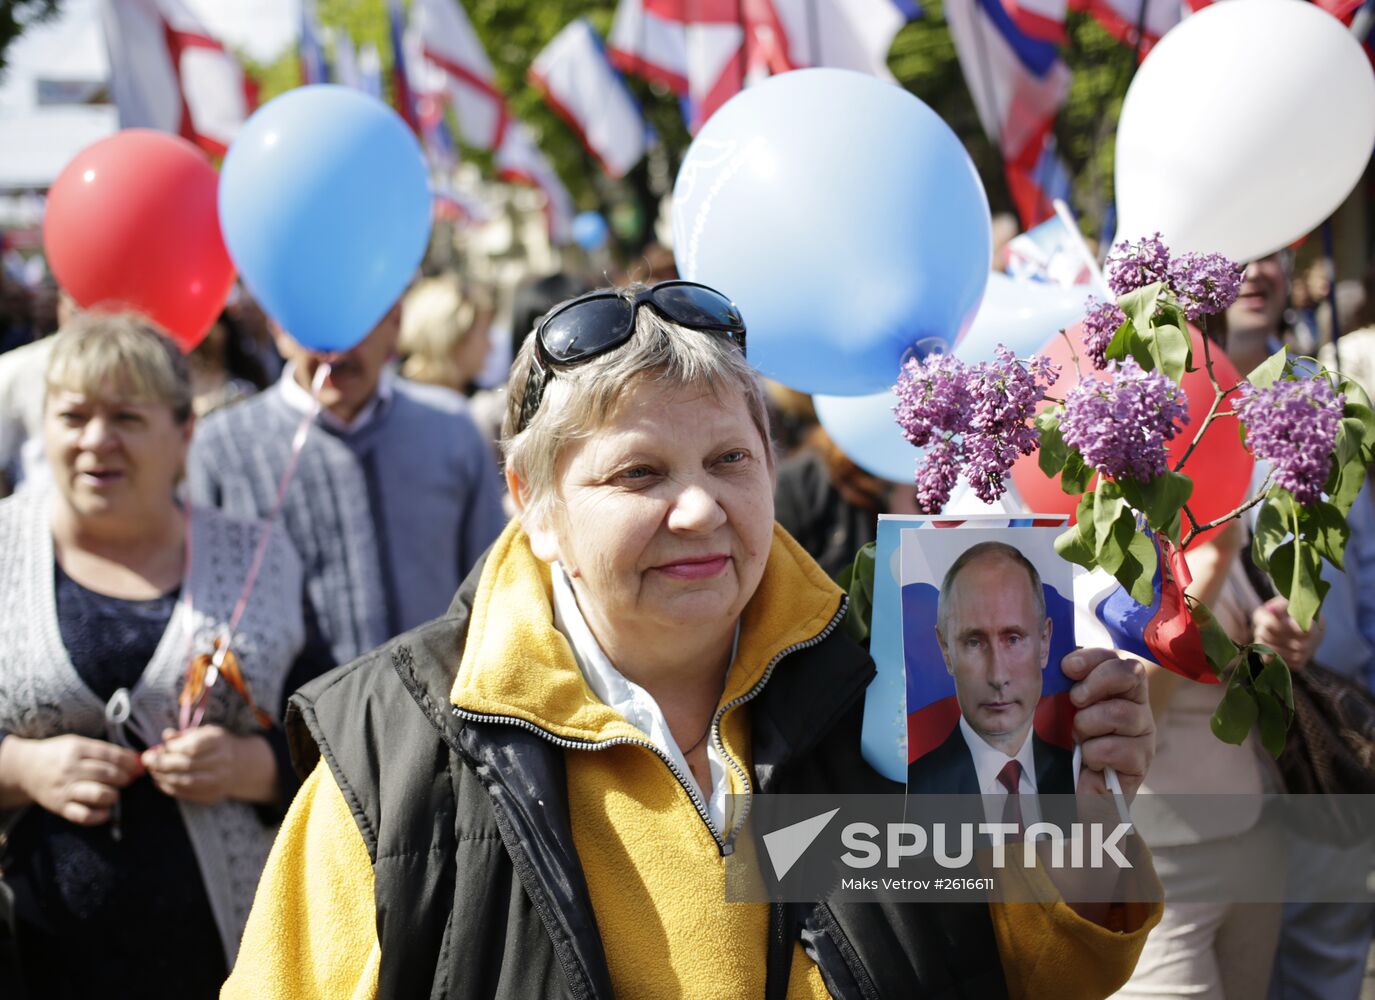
(100, 916)
(823, 522)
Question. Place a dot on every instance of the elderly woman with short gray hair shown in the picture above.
(133, 846)
(537, 795)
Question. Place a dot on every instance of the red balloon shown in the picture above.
(132, 223)
(1220, 466)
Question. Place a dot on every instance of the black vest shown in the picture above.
(478, 886)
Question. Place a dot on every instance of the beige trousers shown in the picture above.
(1211, 949)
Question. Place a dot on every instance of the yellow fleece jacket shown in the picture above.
(654, 868)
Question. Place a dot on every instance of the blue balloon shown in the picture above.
(590, 231)
(863, 427)
(1019, 315)
(843, 217)
(325, 208)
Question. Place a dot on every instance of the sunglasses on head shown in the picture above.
(592, 324)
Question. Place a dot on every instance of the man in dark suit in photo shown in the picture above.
(994, 635)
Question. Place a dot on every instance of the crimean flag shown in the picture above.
(583, 87)
(167, 72)
(451, 47)
(708, 50)
(520, 160)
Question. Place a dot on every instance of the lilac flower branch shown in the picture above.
(1316, 434)
(1196, 529)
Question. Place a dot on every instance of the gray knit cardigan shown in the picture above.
(41, 694)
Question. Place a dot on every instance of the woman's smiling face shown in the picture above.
(664, 516)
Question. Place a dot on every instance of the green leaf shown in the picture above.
(1274, 723)
(1114, 545)
(1169, 350)
(1265, 373)
(1137, 570)
(1161, 499)
(1325, 528)
(1347, 446)
(858, 580)
(1272, 526)
(1356, 397)
(1349, 480)
(1139, 305)
(1358, 406)
(1054, 452)
(1074, 479)
(1309, 588)
(1075, 544)
(1217, 644)
(1119, 348)
(1274, 677)
(1172, 315)
(1281, 568)
(1235, 715)
(1140, 349)
(1106, 508)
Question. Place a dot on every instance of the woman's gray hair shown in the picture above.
(96, 353)
(581, 399)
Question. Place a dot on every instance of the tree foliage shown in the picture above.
(16, 15)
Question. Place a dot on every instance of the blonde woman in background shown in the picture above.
(445, 340)
(445, 332)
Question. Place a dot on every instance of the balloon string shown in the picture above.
(1077, 242)
(298, 442)
(184, 716)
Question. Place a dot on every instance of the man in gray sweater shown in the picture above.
(395, 496)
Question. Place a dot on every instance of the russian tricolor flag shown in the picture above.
(1018, 82)
(1163, 632)
(400, 78)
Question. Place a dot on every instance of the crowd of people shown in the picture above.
(546, 638)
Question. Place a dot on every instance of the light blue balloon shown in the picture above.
(1020, 315)
(863, 427)
(325, 208)
(590, 231)
(843, 217)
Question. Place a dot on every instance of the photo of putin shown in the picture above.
(994, 635)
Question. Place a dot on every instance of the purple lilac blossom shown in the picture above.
(1205, 283)
(1100, 324)
(1135, 265)
(936, 476)
(970, 418)
(1292, 424)
(931, 397)
(1120, 427)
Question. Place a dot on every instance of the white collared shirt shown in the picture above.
(989, 762)
(636, 705)
(299, 399)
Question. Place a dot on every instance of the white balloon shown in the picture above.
(1246, 126)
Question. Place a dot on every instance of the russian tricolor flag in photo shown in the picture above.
(1163, 632)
